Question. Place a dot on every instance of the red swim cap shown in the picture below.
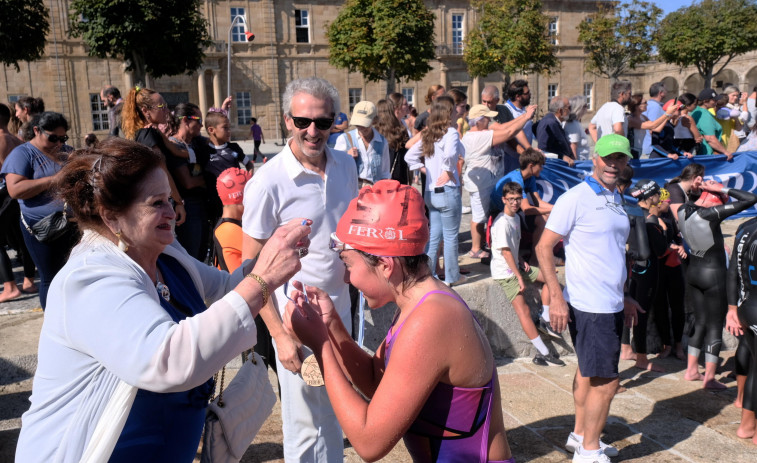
(230, 185)
(709, 199)
(386, 219)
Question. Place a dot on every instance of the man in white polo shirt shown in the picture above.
(594, 226)
(305, 180)
(611, 117)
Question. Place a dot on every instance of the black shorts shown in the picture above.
(596, 339)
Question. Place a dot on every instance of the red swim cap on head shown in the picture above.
(386, 219)
(707, 199)
(230, 185)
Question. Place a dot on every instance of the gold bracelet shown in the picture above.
(263, 287)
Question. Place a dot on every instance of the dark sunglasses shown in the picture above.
(55, 138)
(322, 123)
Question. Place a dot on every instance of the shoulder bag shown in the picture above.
(237, 414)
(48, 228)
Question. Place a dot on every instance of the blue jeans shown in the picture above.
(49, 257)
(444, 213)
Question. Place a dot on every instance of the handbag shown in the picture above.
(48, 228)
(237, 414)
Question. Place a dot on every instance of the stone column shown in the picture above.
(474, 96)
(201, 96)
(217, 99)
(443, 75)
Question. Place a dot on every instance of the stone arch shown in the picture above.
(751, 79)
(724, 78)
(693, 84)
(671, 86)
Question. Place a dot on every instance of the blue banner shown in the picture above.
(739, 173)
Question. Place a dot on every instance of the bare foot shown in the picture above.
(737, 403)
(692, 376)
(626, 353)
(744, 432)
(29, 287)
(621, 389)
(714, 384)
(10, 294)
(665, 352)
(648, 366)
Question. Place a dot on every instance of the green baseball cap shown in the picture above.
(613, 143)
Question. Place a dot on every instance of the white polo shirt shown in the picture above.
(595, 228)
(283, 190)
(608, 115)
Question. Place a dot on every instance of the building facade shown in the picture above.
(290, 42)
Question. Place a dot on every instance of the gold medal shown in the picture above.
(311, 373)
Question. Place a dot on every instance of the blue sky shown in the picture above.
(672, 5)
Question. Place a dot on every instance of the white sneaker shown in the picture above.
(594, 458)
(573, 443)
(466, 210)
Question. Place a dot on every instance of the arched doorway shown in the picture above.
(725, 78)
(671, 87)
(751, 79)
(693, 84)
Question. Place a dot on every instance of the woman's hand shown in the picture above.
(306, 322)
(279, 259)
(181, 214)
(732, 322)
(443, 178)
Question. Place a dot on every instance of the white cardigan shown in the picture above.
(104, 327)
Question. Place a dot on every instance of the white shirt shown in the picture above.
(481, 168)
(446, 152)
(382, 169)
(104, 324)
(283, 190)
(609, 114)
(595, 247)
(505, 234)
(576, 134)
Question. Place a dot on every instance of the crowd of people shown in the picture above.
(197, 258)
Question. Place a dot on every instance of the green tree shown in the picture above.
(618, 36)
(383, 40)
(511, 36)
(708, 35)
(162, 38)
(23, 31)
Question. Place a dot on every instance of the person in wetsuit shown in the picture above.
(706, 273)
(742, 319)
(433, 381)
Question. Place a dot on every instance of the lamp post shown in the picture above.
(250, 37)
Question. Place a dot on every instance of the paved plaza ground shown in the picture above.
(660, 418)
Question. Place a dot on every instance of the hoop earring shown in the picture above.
(121, 243)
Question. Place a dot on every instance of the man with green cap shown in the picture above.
(594, 226)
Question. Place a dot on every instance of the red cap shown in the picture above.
(230, 185)
(709, 199)
(386, 219)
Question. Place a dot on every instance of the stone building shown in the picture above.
(290, 43)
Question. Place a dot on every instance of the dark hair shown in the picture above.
(456, 95)
(32, 105)
(182, 110)
(5, 115)
(412, 111)
(253, 120)
(656, 88)
(516, 89)
(108, 175)
(112, 91)
(430, 94)
(635, 102)
(689, 172)
(687, 98)
(531, 156)
(625, 177)
(90, 140)
(49, 121)
(512, 187)
(389, 126)
(414, 268)
(396, 99)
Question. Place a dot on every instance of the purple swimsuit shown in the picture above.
(455, 420)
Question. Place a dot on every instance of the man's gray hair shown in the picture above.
(313, 86)
(656, 88)
(621, 86)
(557, 103)
(490, 90)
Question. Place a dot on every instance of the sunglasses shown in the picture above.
(55, 138)
(321, 123)
(338, 246)
(194, 118)
(158, 106)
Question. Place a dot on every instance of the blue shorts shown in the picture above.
(596, 339)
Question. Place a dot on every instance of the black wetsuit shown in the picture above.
(706, 272)
(670, 289)
(742, 279)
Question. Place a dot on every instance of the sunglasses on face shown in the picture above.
(321, 123)
(158, 106)
(194, 118)
(55, 138)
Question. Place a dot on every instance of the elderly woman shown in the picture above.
(31, 171)
(483, 167)
(130, 308)
(433, 381)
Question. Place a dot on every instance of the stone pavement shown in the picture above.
(660, 418)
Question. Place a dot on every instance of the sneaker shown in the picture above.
(459, 282)
(550, 359)
(573, 443)
(595, 458)
(466, 210)
(546, 328)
